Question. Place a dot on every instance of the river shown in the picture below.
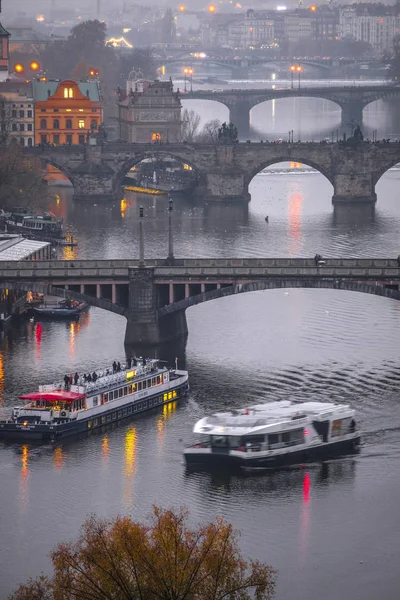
(330, 531)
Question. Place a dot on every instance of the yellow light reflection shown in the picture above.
(72, 339)
(70, 252)
(130, 464)
(58, 458)
(295, 204)
(105, 448)
(24, 462)
(24, 478)
(130, 452)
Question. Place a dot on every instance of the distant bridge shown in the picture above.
(153, 297)
(351, 99)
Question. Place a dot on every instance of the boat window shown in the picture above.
(165, 397)
(139, 386)
(95, 400)
(134, 387)
(114, 415)
(129, 389)
(124, 412)
(121, 392)
(125, 391)
(129, 410)
(174, 394)
(95, 422)
(154, 381)
(119, 414)
(135, 407)
(340, 427)
(290, 438)
(273, 439)
(144, 404)
(103, 420)
(144, 384)
(139, 406)
(105, 398)
(150, 402)
(220, 441)
(159, 379)
(169, 395)
(108, 418)
(89, 424)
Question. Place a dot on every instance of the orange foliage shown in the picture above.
(162, 560)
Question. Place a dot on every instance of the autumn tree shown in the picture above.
(162, 560)
(190, 125)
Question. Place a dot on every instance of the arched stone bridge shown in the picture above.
(224, 172)
(351, 99)
(154, 297)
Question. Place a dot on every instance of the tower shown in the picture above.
(4, 53)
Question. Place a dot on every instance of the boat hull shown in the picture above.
(213, 458)
(59, 313)
(50, 432)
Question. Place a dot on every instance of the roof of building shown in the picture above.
(3, 31)
(41, 89)
(26, 34)
(13, 247)
(14, 86)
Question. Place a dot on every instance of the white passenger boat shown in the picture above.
(275, 434)
(109, 395)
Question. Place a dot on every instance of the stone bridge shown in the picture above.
(224, 172)
(351, 99)
(153, 296)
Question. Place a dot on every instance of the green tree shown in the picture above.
(161, 560)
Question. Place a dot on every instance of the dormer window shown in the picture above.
(68, 93)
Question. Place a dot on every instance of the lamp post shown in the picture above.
(190, 72)
(185, 72)
(299, 69)
(141, 238)
(292, 70)
(170, 258)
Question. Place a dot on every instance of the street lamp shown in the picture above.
(190, 73)
(299, 69)
(185, 72)
(292, 70)
(170, 257)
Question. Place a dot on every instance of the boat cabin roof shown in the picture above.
(260, 416)
(55, 396)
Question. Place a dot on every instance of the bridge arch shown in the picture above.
(53, 162)
(287, 156)
(135, 159)
(284, 283)
(52, 290)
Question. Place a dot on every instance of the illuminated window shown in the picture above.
(81, 123)
(68, 93)
(155, 137)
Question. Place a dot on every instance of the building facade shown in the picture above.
(4, 53)
(150, 112)
(66, 111)
(17, 114)
(375, 29)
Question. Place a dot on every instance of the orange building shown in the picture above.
(66, 111)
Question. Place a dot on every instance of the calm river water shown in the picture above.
(331, 531)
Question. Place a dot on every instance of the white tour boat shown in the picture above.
(107, 396)
(275, 434)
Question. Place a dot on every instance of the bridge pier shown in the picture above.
(353, 188)
(144, 326)
(93, 179)
(352, 115)
(239, 115)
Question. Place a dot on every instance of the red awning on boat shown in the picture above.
(56, 396)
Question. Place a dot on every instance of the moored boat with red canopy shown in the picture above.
(56, 411)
